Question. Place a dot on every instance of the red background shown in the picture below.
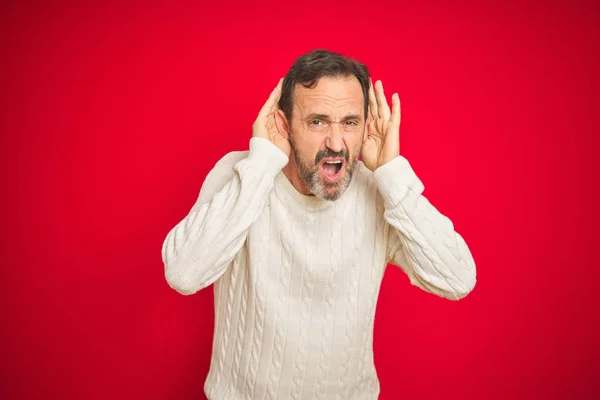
(113, 115)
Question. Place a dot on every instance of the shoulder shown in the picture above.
(364, 181)
(363, 175)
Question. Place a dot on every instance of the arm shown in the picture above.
(197, 251)
(422, 241)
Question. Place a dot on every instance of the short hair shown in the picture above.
(317, 64)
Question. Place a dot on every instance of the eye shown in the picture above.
(351, 123)
(316, 122)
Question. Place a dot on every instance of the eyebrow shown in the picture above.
(326, 117)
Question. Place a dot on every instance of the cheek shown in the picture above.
(308, 144)
(311, 142)
(354, 140)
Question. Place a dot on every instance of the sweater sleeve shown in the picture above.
(422, 241)
(197, 251)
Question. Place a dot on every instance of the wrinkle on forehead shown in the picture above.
(330, 96)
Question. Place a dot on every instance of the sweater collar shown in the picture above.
(286, 192)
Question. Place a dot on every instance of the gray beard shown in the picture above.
(310, 174)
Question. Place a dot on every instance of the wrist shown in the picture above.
(395, 179)
(267, 155)
(386, 160)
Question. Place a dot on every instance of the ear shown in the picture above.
(282, 124)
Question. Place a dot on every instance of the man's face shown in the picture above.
(326, 134)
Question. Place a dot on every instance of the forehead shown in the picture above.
(330, 96)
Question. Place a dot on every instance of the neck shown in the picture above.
(291, 173)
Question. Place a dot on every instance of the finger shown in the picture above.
(271, 102)
(396, 114)
(382, 104)
(278, 89)
(372, 102)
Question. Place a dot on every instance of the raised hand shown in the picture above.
(264, 126)
(382, 139)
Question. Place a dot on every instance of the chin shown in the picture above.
(332, 191)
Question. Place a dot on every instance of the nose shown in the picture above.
(335, 139)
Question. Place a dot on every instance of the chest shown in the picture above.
(332, 250)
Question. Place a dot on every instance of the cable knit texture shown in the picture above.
(296, 279)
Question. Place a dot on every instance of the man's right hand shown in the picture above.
(264, 126)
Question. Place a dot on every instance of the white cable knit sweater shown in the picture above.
(297, 278)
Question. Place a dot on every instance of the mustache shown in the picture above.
(332, 154)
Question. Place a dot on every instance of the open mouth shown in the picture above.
(332, 169)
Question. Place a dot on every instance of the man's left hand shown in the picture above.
(381, 143)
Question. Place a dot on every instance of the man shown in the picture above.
(296, 234)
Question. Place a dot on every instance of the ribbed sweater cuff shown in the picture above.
(395, 179)
(267, 157)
